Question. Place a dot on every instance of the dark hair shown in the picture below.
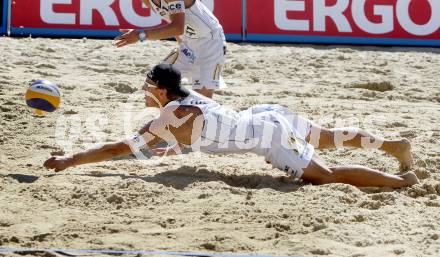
(169, 78)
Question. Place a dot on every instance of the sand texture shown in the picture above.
(230, 203)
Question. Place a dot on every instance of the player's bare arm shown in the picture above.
(174, 28)
(100, 153)
(172, 126)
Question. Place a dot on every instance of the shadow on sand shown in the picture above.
(186, 175)
(22, 178)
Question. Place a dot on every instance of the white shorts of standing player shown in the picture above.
(201, 61)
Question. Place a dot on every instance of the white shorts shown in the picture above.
(288, 149)
(200, 61)
(292, 160)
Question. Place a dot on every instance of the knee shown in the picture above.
(321, 138)
(327, 179)
(205, 91)
(328, 137)
(327, 176)
(336, 176)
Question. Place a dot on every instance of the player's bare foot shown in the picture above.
(402, 152)
(410, 178)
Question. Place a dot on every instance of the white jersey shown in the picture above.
(200, 22)
(269, 130)
(219, 123)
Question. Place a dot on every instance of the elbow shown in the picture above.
(178, 29)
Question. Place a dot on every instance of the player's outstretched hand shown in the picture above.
(129, 36)
(57, 163)
(166, 151)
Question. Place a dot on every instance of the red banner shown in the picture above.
(95, 18)
(368, 19)
(392, 22)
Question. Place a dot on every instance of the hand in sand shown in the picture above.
(57, 163)
(166, 151)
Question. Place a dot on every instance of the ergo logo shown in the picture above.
(49, 15)
(336, 13)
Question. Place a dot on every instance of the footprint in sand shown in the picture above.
(46, 65)
(374, 86)
(121, 87)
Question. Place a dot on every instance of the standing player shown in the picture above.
(200, 56)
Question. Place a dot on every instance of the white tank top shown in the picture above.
(200, 22)
(261, 129)
(225, 130)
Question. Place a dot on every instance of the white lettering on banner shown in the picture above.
(335, 12)
(416, 29)
(135, 19)
(209, 4)
(103, 7)
(384, 11)
(51, 17)
(281, 19)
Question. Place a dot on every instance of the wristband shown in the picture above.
(136, 143)
(142, 36)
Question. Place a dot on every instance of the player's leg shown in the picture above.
(318, 173)
(323, 138)
(205, 91)
(172, 57)
(207, 80)
(182, 62)
(298, 159)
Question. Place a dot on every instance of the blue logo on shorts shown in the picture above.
(190, 54)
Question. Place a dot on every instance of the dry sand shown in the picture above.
(218, 203)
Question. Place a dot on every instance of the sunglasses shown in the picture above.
(148, 85)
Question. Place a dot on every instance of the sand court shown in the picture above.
(207, 203)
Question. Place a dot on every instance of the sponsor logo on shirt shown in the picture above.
(190, 32)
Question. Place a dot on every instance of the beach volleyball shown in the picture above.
(43, 96)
